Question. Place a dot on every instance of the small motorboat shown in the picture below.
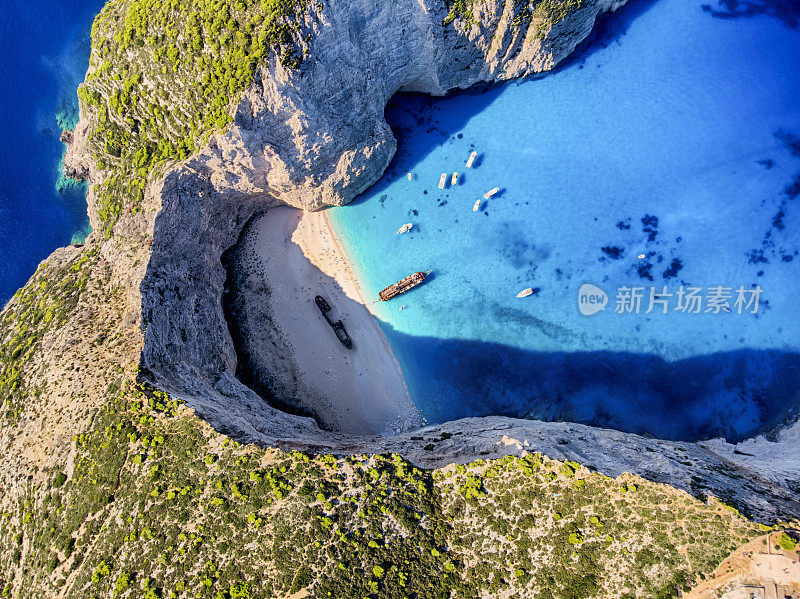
(477, 205)
(405, 227)
(442, 180)
(410, 176)
(491, 192)
(454, 180)
(471, 159)
(525, 292)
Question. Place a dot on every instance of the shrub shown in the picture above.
(123, 581)
(786, 542)
(575, 538)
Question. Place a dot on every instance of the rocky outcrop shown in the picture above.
(316, 137)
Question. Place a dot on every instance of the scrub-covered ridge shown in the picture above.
(138, 465)
(154, 503)
(163, 74)
(543, 15)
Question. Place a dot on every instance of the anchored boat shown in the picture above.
(471, 159)
(491, 192)
(405, 227)
(454, 179)
(402, 286)
(525, 292)
(477, 205)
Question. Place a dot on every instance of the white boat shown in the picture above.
(525, 292)
(476, 206)
(442, 180)
(454, 180)
(405, 227)
(491, 192)
(409, 176)
(471, 159)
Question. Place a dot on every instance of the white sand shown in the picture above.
(288, 257)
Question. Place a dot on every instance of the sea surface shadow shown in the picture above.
(609, 28)
(440, 126)
(734, 394)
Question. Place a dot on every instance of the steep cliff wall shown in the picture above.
(314, 136)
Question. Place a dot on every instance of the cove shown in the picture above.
(43, 57)
(675, 136)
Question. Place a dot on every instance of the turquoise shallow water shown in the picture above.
(675, 134)
(44, 53)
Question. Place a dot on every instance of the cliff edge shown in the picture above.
(172, 191)
(136, 461)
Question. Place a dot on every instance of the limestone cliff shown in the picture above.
(314, 136)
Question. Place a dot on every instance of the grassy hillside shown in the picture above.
(112, 489)
(156, 504)
(164, 73)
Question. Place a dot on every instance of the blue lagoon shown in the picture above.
(665, 156)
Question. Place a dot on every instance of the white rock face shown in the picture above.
(311, 138)
(317, 137)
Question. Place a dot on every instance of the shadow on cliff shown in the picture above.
(732, 394)
(234, 310)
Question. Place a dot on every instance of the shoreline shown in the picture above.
(287, 258)
(317, 240)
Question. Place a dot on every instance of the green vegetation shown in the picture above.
(159, 505)
(147, 501)
(786, 542)
(459, 9)
(542, 14)
(164, 73)
(547, 13)
(43, 305)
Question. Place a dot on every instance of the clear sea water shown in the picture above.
(675, 134)
(44, 53)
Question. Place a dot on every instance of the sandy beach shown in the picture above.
(285, 259)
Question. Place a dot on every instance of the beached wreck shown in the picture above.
(338, 326)
(402, 286)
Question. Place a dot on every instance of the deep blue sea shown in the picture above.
(44, 53)
(663, 160)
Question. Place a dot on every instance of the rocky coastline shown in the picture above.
(316, 137)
